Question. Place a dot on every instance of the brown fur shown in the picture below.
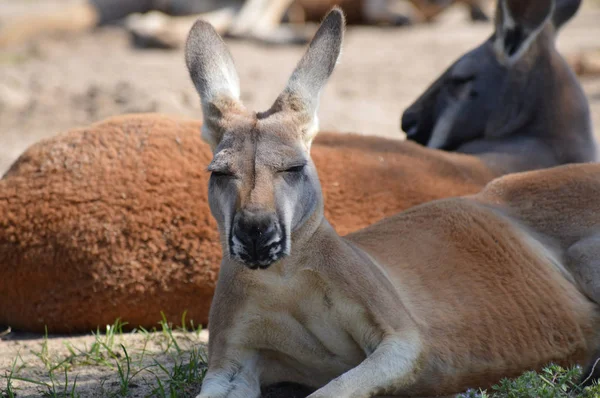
(112, 220)
(489, 305)
(462, 273)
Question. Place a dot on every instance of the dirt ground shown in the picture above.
(59, 83)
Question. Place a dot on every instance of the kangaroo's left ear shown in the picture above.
(518, 23)
(303, 90)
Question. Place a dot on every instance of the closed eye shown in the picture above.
(457, 85)
(294, 169)
(221, 173)
(458, 80)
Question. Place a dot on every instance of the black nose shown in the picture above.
(416, 128)
(256, 238)
(410, 122)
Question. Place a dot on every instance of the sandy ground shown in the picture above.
(59, 83)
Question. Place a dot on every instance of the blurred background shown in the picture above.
(68, 63)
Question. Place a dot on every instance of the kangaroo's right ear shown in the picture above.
(213, 72)
(518, 23)
(301, 95)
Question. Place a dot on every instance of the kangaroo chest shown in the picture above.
(305, 318)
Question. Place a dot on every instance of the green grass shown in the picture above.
(174, 368)
(9, 391)
(553, 382)
(183, 377)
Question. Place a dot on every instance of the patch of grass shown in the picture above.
(187, 369)
(553, 382)
(185, 374)
(147, 337)
(53, 387)
(168, 332)
(42, 354)
(125, 376)
(9, 391)
(169, 361)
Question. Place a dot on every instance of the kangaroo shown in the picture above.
(448, 295)
(512, 95)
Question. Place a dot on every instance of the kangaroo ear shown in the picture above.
(213, 72)
(301, 95)
(518, 23)
(564, 10)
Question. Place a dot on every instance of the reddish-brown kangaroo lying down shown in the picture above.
(112, 221)
(452, 294)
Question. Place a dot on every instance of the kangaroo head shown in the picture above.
(263, 185)
(493, 90)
